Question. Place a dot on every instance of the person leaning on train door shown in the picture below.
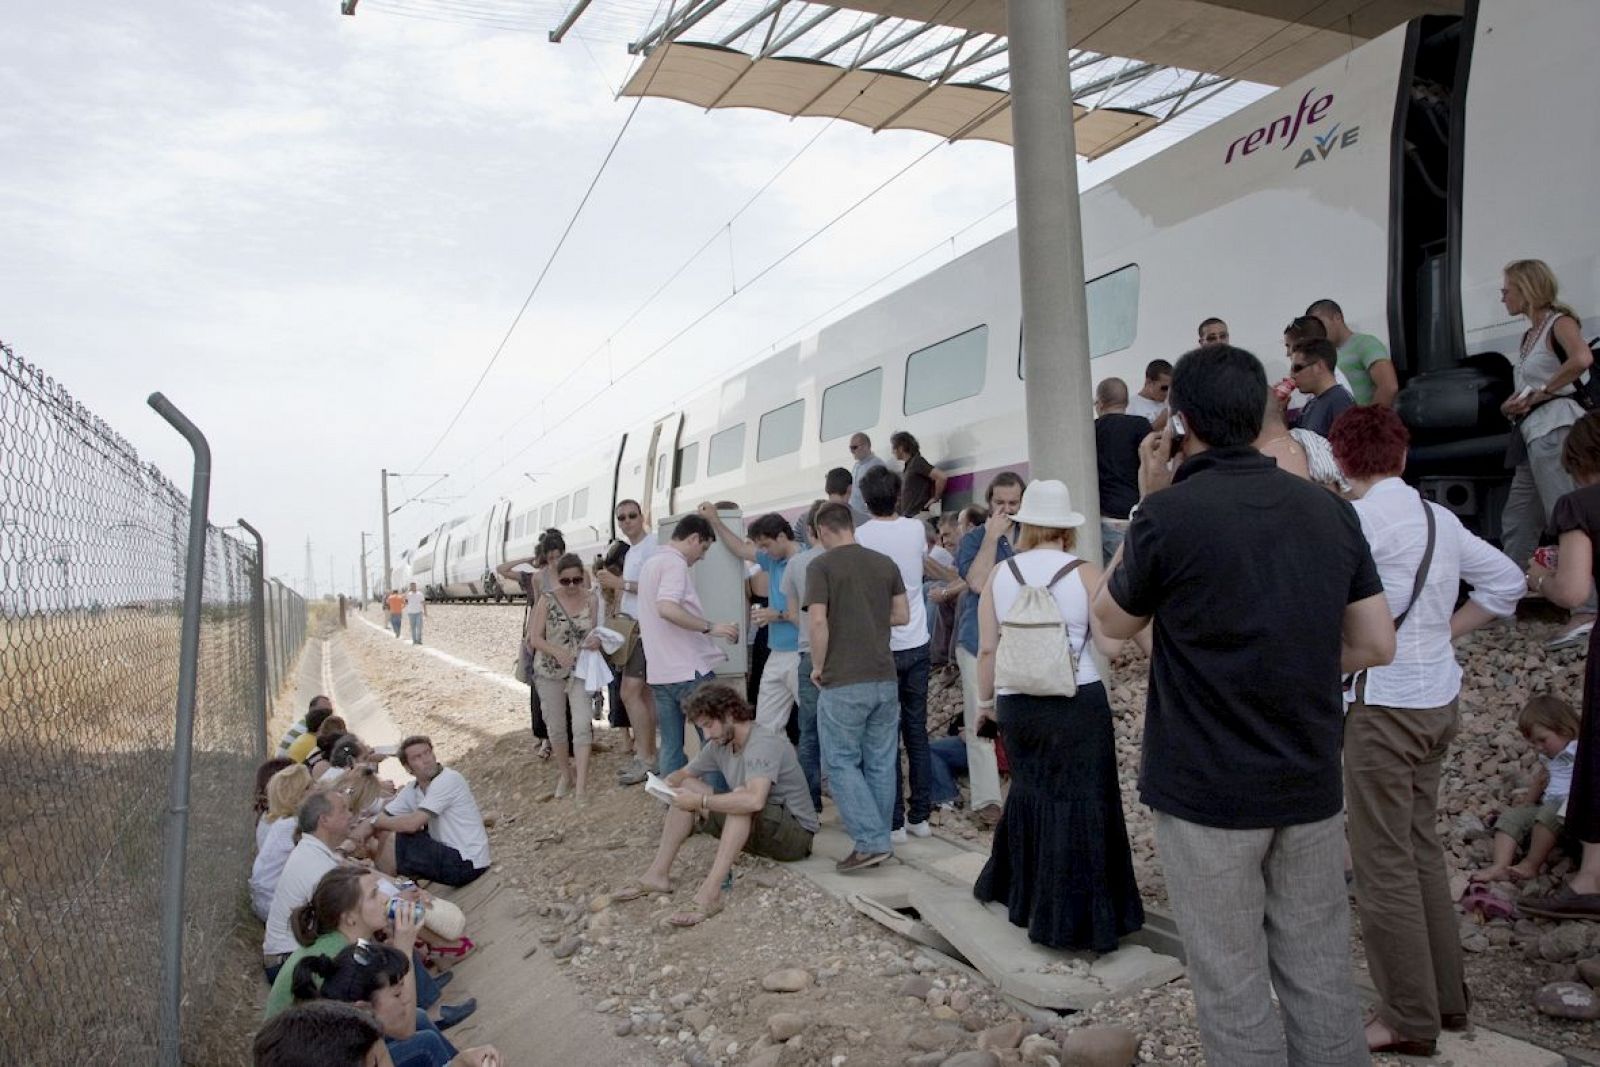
(678, 636)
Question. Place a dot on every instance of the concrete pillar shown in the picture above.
(383, 583)
(1055, 327)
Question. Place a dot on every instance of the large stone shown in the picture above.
(566, 949)
(1101, 1046)
(1568, 1000)
(918, 986)
(787, 980)
(1589, 971)
(1004, 1036)
(784, 1025)
(933, 1038)
(1037, 1049)
(1566, 942)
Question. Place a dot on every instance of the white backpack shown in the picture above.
(1034, 655)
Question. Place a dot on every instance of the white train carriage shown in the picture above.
(1397, 180)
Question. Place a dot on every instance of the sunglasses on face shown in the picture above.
(628, 517)
(571, 581)
(1296, 368)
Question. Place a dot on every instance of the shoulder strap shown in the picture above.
(1063, 572)
(1422, 571)
(1016, 572)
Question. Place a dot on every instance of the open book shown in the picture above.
(658, 788)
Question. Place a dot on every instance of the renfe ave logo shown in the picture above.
(1286, 129)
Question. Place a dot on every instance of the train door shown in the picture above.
(664, 463)
(496, 530)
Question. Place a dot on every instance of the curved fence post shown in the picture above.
(258, 619)
(176, 836)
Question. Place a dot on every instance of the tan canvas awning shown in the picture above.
(711, 76)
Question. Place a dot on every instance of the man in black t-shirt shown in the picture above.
(1117, 436)
(1262, 592)
(1311, 365)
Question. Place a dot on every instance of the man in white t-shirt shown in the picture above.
(1150, 402)
(636, 695)
(324, 821)
(416, 608)
(903, 540)
(437, 829)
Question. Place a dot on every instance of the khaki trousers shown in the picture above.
(1392, 759)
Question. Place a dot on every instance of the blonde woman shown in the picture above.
(1542, 409)
(285, 790)
(563, 624)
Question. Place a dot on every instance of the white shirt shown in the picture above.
(632, 564)
(1144, 407)
(942, 555)
(1560, 768)
(902, 540)
(1038, 566)
(1425, 673)
(455, 820)
(277, 842)
(414, 602)
(307, 863)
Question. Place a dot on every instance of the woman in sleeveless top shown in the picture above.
(1577, 521)
(563, 624)
(1543, 410)
(1060, 861)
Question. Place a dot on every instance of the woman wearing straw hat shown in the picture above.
(1060, 861)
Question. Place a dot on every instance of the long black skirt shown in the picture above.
(1061, 862)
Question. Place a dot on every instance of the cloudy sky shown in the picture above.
(312, 232)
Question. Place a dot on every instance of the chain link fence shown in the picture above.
(92, 552)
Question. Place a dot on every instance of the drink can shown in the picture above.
(1283, 390)
(396, 906)
(1546, 556)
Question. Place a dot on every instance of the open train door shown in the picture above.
(664, 462)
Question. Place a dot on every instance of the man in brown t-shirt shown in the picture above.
(394, 604)
(853, 596)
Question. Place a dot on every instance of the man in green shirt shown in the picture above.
(1362, 357)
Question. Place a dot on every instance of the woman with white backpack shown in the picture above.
(1060, 862)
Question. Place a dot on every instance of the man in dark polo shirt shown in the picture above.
(1262, 592)
(853, 596)
(1117, 437)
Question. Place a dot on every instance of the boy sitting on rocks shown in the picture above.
(1551, 726)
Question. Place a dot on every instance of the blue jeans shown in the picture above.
(428, 991)
(394, 624)
(1111, 534)
(809, 750)
(948, 763)
(415, 619)
(857, 727)
(425, 1048)
(911, 668)
(669, 716)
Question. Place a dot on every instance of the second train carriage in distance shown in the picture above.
(1397, 180)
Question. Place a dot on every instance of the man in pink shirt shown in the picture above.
(679, 650)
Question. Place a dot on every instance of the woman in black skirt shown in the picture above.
(1060, 862)
(1577, 520)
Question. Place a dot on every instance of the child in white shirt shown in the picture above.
(1551, 726)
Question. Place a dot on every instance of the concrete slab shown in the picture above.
(1486, 1048)
(903, 924)
(1040, 976)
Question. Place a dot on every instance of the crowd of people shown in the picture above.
(1297, 601)
(355, 952)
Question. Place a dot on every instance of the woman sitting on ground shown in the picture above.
(320, 1034)
(285, 791)
(1061, 862)
(264, 775)
(375, 978)
(318, 762)
(563, 625)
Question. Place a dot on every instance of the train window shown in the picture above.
(516, 527)
(946, 372)
(852, 405)
(580, 503)
(779, 434)
(688, 462)
(661, 471)
(561, 510)
(546, 514)
(726, 451)
(1113, 304)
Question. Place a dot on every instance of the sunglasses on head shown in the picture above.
(571, 581)
(362, 952)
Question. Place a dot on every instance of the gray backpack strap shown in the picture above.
(1016, 572)
(1063, 572)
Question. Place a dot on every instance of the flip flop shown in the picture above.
(637, 891)
(694, 916)
(1486, 904)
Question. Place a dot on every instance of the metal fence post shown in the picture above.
(175, 848)
(258, 617)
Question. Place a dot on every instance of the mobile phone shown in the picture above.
(988, 729)
(1178, 432)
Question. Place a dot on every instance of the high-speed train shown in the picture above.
(1397, 180)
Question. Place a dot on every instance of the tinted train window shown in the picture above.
(726, 451)
(688, 462)
(561, 510)
(580, 503)
(780, 429)
(546, 513)
(1113, 301)
(852, 405)
(946, 372)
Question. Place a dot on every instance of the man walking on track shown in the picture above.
(416, 608)
(394, 604)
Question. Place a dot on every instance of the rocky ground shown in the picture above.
(866, 997)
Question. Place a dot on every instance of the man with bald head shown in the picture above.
(861, 452)
(1117, 436)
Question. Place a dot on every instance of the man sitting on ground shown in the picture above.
(438, 830)
(305, 727)
(320, 1033)
(767, 810)
(324, 822)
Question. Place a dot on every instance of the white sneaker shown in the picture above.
(898, 836)
(920, 829)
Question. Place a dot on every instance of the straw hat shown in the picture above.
(1048, 503)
